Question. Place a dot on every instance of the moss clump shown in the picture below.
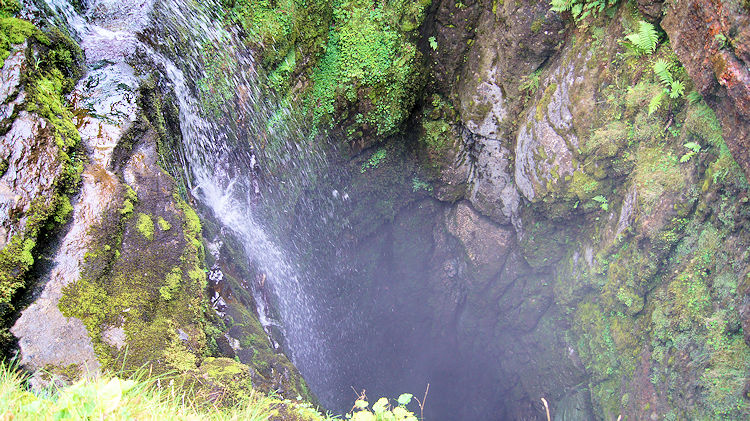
(145, 226)
(541, 106)
(657, 172)
(154, 291)
(370, 64)
(164, 225)
(171, 284)
(15, 31)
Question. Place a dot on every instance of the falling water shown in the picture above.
(222, 168)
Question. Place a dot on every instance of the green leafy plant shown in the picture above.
(644, 40)
(375, 159)
(602, 202)
(530, 83)
(722, 40)
(433, 43)
(581, 9)
(672, 86)
(417, 185)
(694, 97)
(382, 410)
(694, 148)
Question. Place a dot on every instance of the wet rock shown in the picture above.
(575, 406)
(546, 141)
(712, 40)
(486, 244)
(453, 28)
(445, 151)
(114, 336)
(651, 9)
(46, 337)
(493, 191)
(10, 80)
(33, 171)
(513, 39)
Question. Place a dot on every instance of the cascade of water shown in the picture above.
(222, 166)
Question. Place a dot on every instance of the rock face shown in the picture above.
(123, 285)
(712, 40)
(606, 214)
(37, 173)
(574, 225)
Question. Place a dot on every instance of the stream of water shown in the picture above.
(122, 37)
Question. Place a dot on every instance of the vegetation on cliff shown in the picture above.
(215, 395)
(46, 79)
(360, 57)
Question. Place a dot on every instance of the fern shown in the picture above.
(694, 149)
(645, 39)
(581, 9)
(655, 102)
(694, 97)
(560, 6)
(661, 69)
(676, 88)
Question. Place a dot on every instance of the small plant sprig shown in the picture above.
(417, 185)
(672, 87)
(644, 40)
(602, 202)
(530, 83)
(375, 159)
(693, 147)
(433, 43)
(382, 410)
(581, 9)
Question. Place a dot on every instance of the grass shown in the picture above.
(112, 398)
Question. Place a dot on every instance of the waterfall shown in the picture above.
(221, 165)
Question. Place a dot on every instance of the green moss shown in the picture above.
(657, 171)
(370, 64)
(164, 225)
(171, 284)
(154, 291)
(145, 226)
(541, 106)
(128, 204)
(15, 31)
(69, 373)
(536, 25)
(46, 80)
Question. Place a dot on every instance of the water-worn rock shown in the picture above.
(546, 140)
(513, 39)
(46, 337)
(33, 171)
(493, 191)
(486, 244)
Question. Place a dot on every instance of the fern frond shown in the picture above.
(561, 5)
(694, 97)
(661, 69)
(655, 102)
(676, 88)
(645, 39)
(693, 146)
